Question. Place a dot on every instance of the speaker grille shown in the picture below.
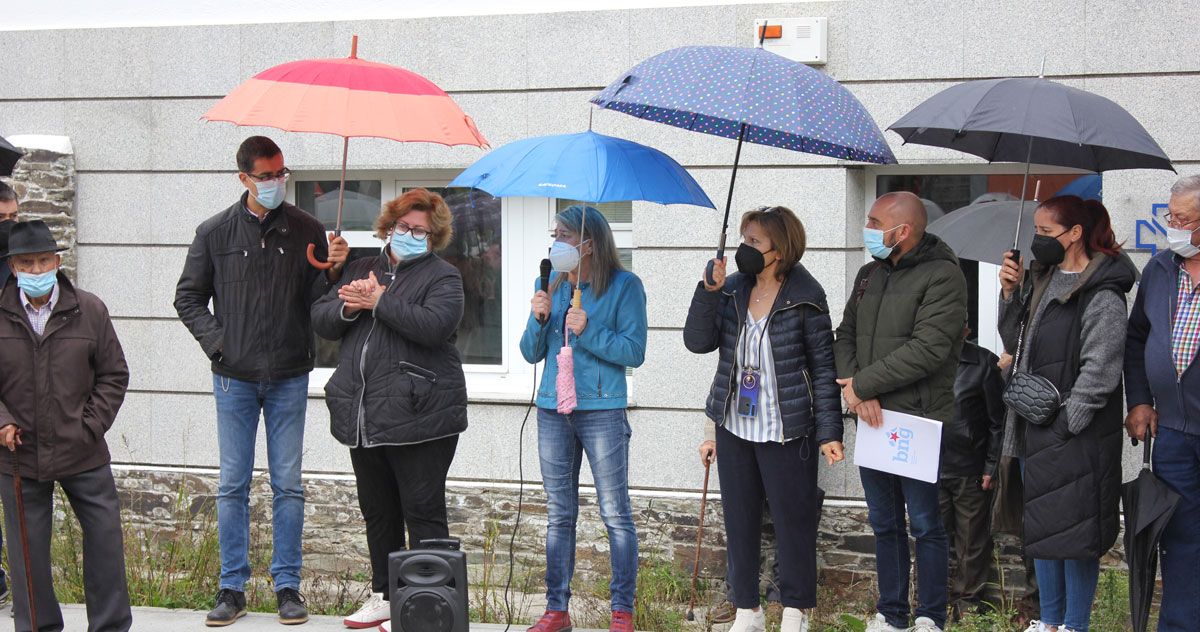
(426, 612)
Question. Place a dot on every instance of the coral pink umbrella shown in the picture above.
(349, 97)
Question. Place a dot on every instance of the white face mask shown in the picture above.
(564, 257)
(1181, 242)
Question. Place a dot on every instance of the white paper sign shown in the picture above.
(905, 445)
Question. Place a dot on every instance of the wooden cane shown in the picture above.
(691, 615)
(16, 474)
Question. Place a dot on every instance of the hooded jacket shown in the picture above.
(901, 332)
(62, 389)
(801, 336)
(1072, 481)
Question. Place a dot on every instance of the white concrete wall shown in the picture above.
(150, 170)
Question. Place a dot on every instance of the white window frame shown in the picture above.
(525, 230)
(989, 282)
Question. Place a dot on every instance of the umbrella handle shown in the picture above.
(314, 262)
(708, 269)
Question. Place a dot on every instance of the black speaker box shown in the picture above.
(428, 590)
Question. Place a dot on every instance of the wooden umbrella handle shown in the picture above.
(314, 262)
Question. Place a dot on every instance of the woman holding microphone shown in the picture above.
(599, 310)
(774, 404)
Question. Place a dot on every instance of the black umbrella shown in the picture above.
(1148, 504)
(1032, 120)
(9, 156)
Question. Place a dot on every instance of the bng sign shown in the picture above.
(1148, 233)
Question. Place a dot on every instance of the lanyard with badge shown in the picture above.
(750, 384)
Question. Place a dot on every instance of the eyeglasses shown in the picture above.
(1174, 222)
(282, 174)
(416, 231)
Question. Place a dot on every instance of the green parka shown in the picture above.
(901, 332)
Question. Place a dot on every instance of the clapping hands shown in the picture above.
(361, 294)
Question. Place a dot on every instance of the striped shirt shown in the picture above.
(754, 352)
(39, 316)
(1185, 330)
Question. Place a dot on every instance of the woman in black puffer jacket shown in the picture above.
(1072, 310)
(774, 400)
(398, 398)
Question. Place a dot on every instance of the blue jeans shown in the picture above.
(282, 404)
(887, 495)
(1066, 589)
(562, 441)
(1177, 463)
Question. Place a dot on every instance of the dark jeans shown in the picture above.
(785, 475)
(887, 496)
(768, 579)
(1177, 463)
(399, 486)
(966, 515)
(93, 498)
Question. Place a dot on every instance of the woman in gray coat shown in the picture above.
(398, 398)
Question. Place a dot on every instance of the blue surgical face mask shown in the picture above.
(271, 193)
(873, 240)
(37, 285)
(405, 246)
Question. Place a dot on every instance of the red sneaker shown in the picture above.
(554, 621)
(621, 621)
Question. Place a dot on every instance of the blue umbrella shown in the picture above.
(752, 95)
(587, 166)
(1087, 187)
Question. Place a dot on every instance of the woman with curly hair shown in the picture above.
(398, 397)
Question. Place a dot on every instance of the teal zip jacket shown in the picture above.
(615, 338)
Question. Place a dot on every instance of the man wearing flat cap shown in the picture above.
(63, 380)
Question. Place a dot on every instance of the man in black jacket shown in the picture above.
(970, 454)
(250, 261)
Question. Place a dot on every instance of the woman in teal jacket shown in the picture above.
(607, 335)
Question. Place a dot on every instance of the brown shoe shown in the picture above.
(723, 612)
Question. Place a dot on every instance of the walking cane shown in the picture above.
(16, 474)
(691, 615)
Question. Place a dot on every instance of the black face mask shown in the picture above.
(749, 260)
(1048, 250)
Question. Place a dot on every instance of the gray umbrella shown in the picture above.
(9, 156)
(1032, 121)
(983, 231)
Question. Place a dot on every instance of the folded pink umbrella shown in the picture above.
(564, 383)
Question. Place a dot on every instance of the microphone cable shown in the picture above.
(512, 541)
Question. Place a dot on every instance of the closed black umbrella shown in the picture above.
(1148, 504)
(9, 156)
(1032, 120)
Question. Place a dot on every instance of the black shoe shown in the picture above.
(291, 607)
(231, 606)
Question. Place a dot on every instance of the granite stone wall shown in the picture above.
(44, 180)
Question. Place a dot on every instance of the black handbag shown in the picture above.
(1032, 397)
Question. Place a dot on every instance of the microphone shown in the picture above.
(545, 281)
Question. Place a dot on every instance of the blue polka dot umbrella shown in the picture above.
(752, 95)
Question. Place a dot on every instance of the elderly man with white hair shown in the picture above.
(1162, 390)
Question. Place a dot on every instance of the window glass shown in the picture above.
(476, 250)
(360, 208)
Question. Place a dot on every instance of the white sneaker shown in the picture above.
(880, 624)
(924, 624)
(794, 620)
(386, 626)
(372, 613)
(749, 621)
(1038, 626)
